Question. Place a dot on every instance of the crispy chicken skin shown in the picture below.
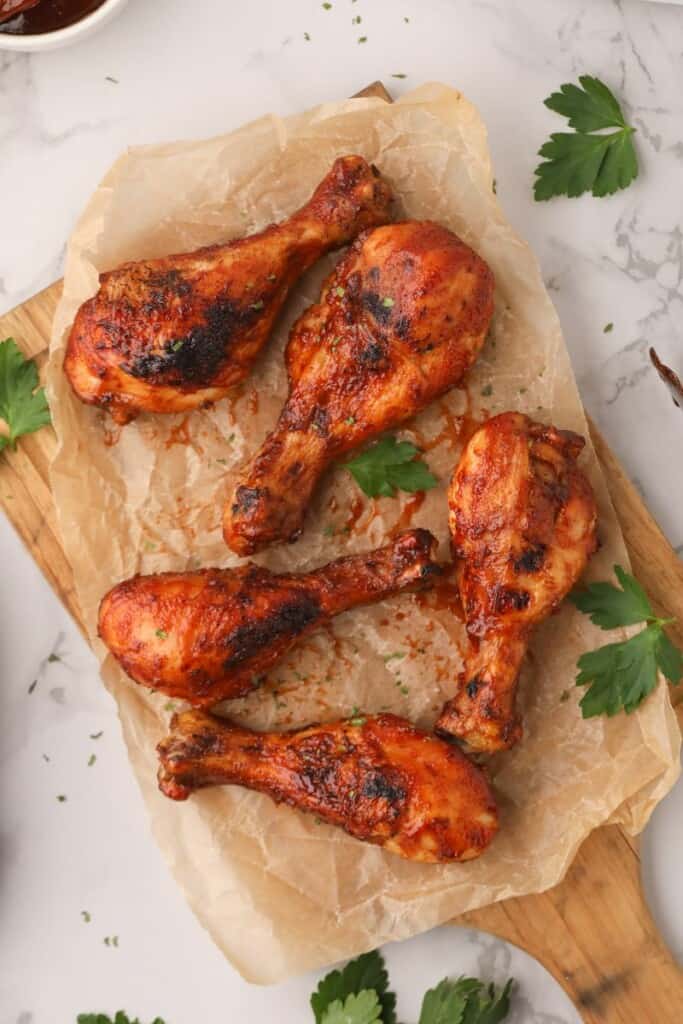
(207, 636)
(377, 777)
(171, 334)
(401, 319)
(523, 525)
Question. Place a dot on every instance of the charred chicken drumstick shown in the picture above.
(523, 523)
(171, 334)
(207, 636)
(401, 319)
(377, 777)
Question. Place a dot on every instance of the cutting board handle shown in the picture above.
(596, 936)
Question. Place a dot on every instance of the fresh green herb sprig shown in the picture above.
(620, 675)
(587, 160)
(359, 994)
(361, 1009)
(390, 465)
(367, 973)
(465, 1001)
(23, 405)
(119, 1018)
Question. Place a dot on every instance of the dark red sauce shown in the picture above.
(45, 16)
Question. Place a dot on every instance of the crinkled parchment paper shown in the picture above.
(278, 892)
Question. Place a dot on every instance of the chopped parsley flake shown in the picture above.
(86, 916)
(61, 797)
(161, 633)
(339, 291)
(608, 328)
(362, 39)
(96, 735)
(387, 302)
(397, 655)
(257, 305)
(91, 760)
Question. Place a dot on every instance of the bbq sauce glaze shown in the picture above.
(49, 15)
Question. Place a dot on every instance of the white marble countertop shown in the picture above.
(170, 69)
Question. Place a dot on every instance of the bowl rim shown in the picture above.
(19, 41)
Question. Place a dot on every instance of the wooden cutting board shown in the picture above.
(593, 932)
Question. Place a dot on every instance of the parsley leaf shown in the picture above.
(587, 109)
(363, 1008)
(487, 1006)
(585, 162)
(669, 659)
(101, 1018)
(621, 675)
(23, 405)
(446, 1003)
(609, 607)
(365, 972)
(390, 465)
(465, 1001)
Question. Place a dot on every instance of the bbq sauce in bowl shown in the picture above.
(47, 16)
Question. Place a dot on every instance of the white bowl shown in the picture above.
(63, 36)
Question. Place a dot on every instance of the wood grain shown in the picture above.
(593, 932)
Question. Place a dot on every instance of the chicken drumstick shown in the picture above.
(523, 524)
(377, 777)
(207, 636)
(401, 318)
(171, 334)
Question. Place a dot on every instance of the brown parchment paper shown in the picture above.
(278, 892)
